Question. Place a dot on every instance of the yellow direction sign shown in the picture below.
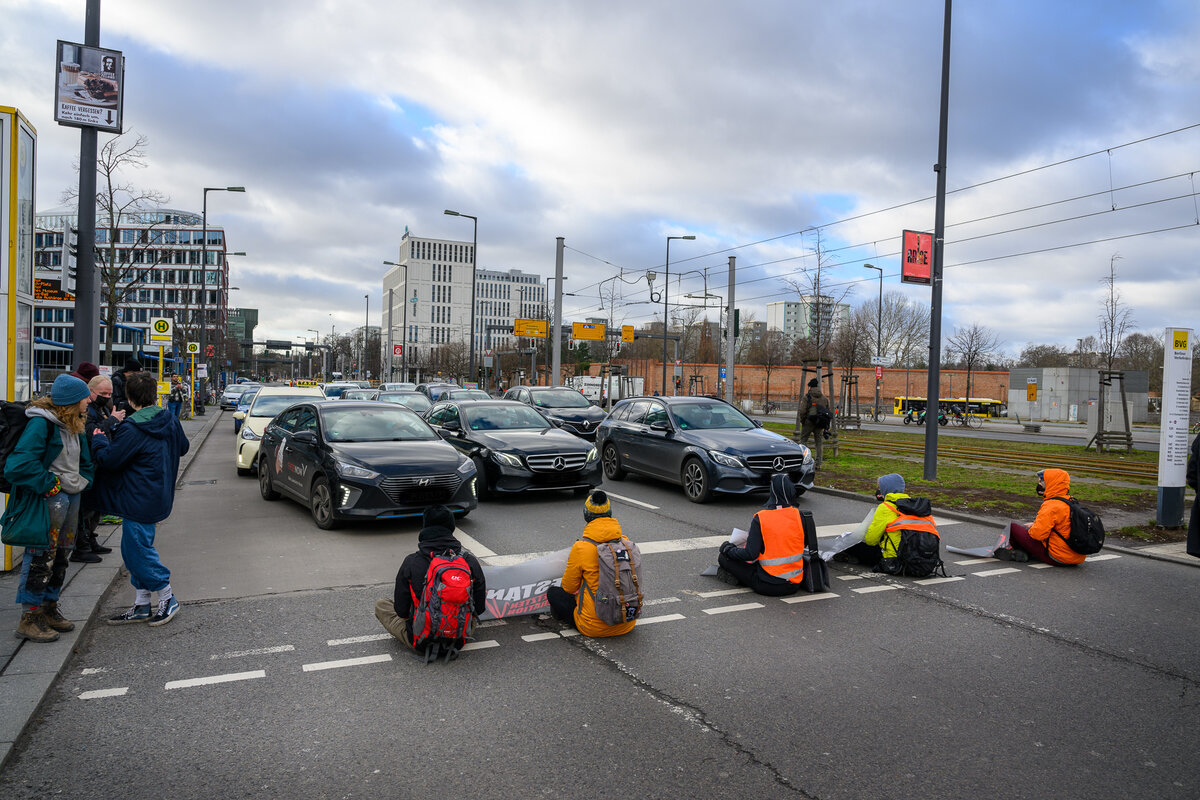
(1031, 390)
(589, 331)
(626, 333)
(161, 329)
(533, 328)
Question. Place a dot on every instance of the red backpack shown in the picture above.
(443, 619)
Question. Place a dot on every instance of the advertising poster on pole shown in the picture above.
(88, 87)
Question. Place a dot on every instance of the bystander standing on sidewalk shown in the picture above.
(100, 416)
(176, 398)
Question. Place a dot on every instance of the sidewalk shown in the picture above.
(27, 670)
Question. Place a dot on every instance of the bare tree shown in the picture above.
(1141, 351)
(973, 345)
(1116, 318)
(854, 341)
(771, 352)
(822, 302)
(1044, 355)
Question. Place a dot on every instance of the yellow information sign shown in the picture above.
(588, 331)
(161, 329)
(533, 328)
(1179, 340)
(626, 333)
(1031, 390)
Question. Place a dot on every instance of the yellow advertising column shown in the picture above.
(18, 165)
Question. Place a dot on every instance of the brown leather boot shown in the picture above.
(55, 619)
(34, 628)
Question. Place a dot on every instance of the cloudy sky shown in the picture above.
(1073, 137)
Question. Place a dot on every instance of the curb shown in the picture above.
(959, 515)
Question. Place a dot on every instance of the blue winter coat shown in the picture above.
(27, 468)
(140, 462)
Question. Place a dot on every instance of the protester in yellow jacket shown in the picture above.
(573, 603)
(877, 543)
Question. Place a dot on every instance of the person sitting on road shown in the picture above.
(575, 601)
(1046, 537)
(772, 560)
(877, 544)
(436, 537)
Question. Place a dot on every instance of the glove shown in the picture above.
(726, 547)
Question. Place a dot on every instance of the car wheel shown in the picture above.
(482, 490)
(695, 481)
(320, 503)
(612, 464)
(264, 481)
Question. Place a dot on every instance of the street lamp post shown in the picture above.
(471, 337)
(310, 364)
(403, 324)
(878, 331)
(556, 345)
(666, 281)
(362, 362)
(204, 273)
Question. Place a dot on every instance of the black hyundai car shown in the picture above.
(562, 405)
(703, 444)
(361, 460)
(515, 449)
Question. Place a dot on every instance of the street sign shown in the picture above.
(397, 349)
(161, 330)
(88, 87)
(881, 361)
(193, 347)
(589, 331)
(878, 373)
(1031, 390)
(916, 258)
(626, 333)
(533, 328)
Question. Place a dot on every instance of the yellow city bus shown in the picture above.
(980, 406)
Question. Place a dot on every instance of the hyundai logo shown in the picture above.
(423, 482)
(559, 463)
(778, 464)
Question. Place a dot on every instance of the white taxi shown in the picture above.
(269, 401)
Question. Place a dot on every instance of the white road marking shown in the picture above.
(484, 645)
(723, 592)
(373, 637)
(213, 679)
(676, 545)
(346, 662)
(491, 623)
(932, 581)
(568, 633)
(661, 618)
(93, 670)
(508, 561)
(262, 651)
(830, 531)
(96, 694)
(887, 587)
(658, 601)
(631, 500)
(472, 544)
(988, 572)
(974, 562)
(728, 609)
(805, 598)
(1040, 566)
(1105, 557)
(539, 637)
(850, 578)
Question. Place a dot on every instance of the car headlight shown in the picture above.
(507, 458)
(349, 470)
(808, 459)
(466, 466)
(591, 456)
(248, 434)
(726, 460)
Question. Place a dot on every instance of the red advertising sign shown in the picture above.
(878, 373)
(397, 349)
(916, 258)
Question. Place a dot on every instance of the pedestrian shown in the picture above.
(435, 539)
(176, 397)
(140, 463)
(100, 416)
(1193, 464)
(118, 381)
(576, 601)
(1046, 537)
(48, 469)
(771, 562)
(813, 416)
(85, 371)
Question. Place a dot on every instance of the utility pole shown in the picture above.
(730, 344)
(87, 289)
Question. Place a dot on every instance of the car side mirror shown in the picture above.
(305, 437)
(757, 423)
(661, 425)
(452, 425)
(239, 415)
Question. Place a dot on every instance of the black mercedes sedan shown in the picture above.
(515, 449)
(703, 444)
(562, 405)
(361, 460)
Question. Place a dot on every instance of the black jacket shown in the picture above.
(410, 580)
(1193, 466)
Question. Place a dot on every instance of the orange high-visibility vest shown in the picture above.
(783, 543)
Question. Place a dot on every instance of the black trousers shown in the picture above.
(562, 604)
(748, 574)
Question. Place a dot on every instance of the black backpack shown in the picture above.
(821, 416)
(918, 553)
(1086, 536)
(816, 571)
(12, 425)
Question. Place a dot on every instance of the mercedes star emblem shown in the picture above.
(778, 464)
(559, 463)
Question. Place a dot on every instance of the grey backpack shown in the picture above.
(618, 595)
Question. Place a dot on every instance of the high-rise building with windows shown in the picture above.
(801, 319)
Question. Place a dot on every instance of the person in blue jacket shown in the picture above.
(141, 464)
(49, 468)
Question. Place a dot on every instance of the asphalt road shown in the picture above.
(1004, 681)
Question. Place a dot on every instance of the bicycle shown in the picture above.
(876, 416)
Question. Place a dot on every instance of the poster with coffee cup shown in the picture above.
(87, 91)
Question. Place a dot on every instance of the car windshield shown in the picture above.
(271, 404)
(559, 398)
(417, 402)
(376, 424)
(514, 417)
(247, 396)
(708, 416)
(469, 394)
(234, 390)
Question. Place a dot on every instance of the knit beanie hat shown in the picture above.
(890, 484)
(437, 517)
(596, 505)
(68, 390)
(86, 371)
(132, 365)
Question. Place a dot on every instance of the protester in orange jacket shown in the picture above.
(1046, 538)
